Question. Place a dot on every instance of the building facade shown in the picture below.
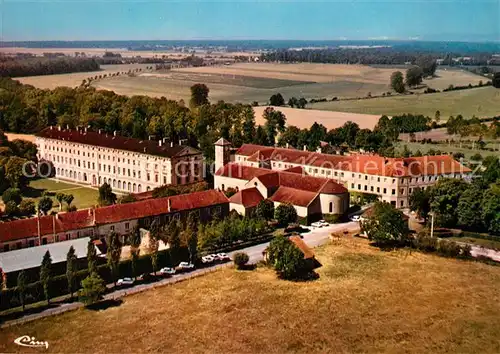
(392, 180)
(126, 164)
(119, 218)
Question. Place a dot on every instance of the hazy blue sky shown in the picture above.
(164, 19)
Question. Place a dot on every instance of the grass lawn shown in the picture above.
(364, 301)
(477, 241)
(482, 102)
(85, 197)
(424, 148)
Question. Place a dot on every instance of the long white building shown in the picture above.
(126, 164)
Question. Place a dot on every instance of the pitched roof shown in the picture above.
(271, 178)
(63, 222)
(249, 197)
(301, 245)
(293, 196)
(31, 257)
(222, 142)
(89, 137)
(367, 164)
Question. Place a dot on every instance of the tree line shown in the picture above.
(17, 67)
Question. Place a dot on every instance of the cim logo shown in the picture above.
(27, 341)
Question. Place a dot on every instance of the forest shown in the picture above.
(370, 56)
(34, 66)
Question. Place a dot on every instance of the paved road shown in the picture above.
(313, 238)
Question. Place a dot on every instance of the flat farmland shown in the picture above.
(456, 77)
(481, 102)
(248, 82)
(365, 301)
(27, 137)
(304, 118)
(74, 79)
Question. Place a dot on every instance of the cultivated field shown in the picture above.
(364, 301)
(304, 118)
(464, 148)
(445, 78)
(481, 102)
(75, 79)
(27, 137)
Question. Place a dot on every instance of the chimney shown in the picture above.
(180, 142)
(318, 150)
(171, 144)
(169, 204)
(99, 131)
(67, 126)
(305, 147)
(287, 145)
(59, 127)
(51, 127)
(114, 133)
(160, 142)
(85, 130)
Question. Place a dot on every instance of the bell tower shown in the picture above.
(222, 153)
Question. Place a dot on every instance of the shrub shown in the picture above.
(449, 249)
(92, 289)
(333, 218)
(424, 242)
(27, 207)
(240, 260)
(12, 195)
(287, 260)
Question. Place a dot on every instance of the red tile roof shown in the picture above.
(293, 196)
(301, 245)
(249, 197)
(270, 178)
(81, 219)
(90, 137)
(366, 164)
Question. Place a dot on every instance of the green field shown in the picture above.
(482, 102)
(445, 148)
(85, 197)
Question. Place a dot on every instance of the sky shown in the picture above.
(454, 20)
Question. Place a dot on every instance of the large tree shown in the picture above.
(277, 100)
(469, 208)
(106, 195)
(285, 213)
(71, 260)
(414, 76)
(420, 202)
(21, 288)
(91, 257)
(491, 209)
(199, 95)
(45, 275)
(386, 226)
(398, 82)
(45, 204)
(287, 259)
(427, 64)
(265, 209)
(445, 196)
(275, 122)
(113, 254)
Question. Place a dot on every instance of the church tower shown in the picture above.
(222, 153)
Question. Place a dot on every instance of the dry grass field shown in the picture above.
(27, 137)
(481, 102)
(304, 118)
(74, 79)
(364, 301)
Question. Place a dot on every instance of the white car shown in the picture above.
(215, 257)
(317, 224)
(125, 281)
(167, 271)
(185, 265)
(356, 218)
(324, 223)
(207, 259)
(223, 256)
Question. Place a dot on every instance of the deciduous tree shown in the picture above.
(397, 82)
(386, 226)
(93, 288)
(285, 213)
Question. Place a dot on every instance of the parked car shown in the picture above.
(146, 277)
(167, 271)
(324, 223)
(215, 257)
(125, 282)
(356, 218)
(207, 259)
(223, 257)
(185, 266)
(317, 224)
